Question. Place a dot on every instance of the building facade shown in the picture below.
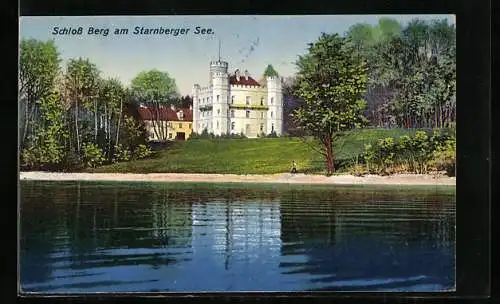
(167, 123)
(237, 104)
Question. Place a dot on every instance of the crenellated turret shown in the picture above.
(275, 103)
(220, 97)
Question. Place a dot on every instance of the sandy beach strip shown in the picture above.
(285, 178)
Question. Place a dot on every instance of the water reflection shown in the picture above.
(87, 237)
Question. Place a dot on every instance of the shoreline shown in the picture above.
(281, 178)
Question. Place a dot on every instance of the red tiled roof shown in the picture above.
(243, 81)
(164, 113)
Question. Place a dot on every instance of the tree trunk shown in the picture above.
(329, 154)
(26, 119)
(95, 121)
(76, 128)
(119, 121)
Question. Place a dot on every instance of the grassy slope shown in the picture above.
(248, 156)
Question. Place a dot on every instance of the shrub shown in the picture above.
(416, 154)
(92, 155)
(122, 154)
(142, 151)
(445, 156)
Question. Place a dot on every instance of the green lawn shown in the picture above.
(248, 156)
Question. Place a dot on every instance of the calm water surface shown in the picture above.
(127, 237)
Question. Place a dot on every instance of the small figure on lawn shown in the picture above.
(294, 167)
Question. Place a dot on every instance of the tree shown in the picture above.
(331, 81)
(420, 70)
(156, 90)
(39, 64)
(290, 103)
(82, 83)
(367, 39)
(111, 96)
(46, 148)
(185, 102)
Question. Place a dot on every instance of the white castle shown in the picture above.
(235, 104)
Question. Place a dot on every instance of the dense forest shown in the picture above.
(71, 117)
(412, 73)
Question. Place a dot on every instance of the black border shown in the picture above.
(474, 121)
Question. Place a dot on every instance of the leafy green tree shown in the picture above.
(155, 89)
(111, 97)
(331, 81)
(419, 67)
(82, 83)
(46, 148)
(39, 64)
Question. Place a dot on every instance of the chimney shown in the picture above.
(237, 74)
(247, 74)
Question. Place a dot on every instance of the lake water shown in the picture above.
(160, 237)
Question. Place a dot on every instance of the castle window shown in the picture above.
(232, 125)
(271, 114)
(261, 127)
(272, 128)
(248, 100)
(232, 99)
(218, 97)
(262, 115)
(232, 113)
(248, 114)
(272, 100)
(217, 125)
(218, 111)
(262, 101)
(180, 126)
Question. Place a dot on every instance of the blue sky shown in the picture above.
(276, 40)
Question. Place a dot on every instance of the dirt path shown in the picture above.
(399, 179)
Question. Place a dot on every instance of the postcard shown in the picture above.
(188, 154)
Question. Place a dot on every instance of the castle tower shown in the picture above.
(196, 108)
(275, 104)
(220, 96)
